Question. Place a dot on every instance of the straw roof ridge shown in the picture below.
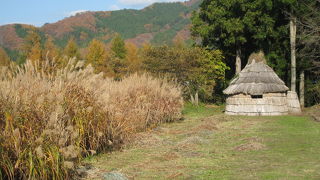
(256, 79)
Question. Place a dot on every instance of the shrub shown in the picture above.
(50, 119)
(196, 69)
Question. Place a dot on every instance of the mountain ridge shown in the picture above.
(159, 23)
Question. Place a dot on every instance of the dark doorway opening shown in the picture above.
(256, 96)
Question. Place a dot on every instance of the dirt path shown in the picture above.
(210, 145)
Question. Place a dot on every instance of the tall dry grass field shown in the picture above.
(50, 119)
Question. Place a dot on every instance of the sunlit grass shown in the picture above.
(203, 110)
(210, 145)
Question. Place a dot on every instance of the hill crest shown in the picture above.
(159, 23)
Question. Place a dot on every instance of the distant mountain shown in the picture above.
(160, 23)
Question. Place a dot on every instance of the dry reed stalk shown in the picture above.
(50, 118)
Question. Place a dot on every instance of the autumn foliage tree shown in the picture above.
(4, 58)
(96, 55)
(50, 50)
(196, 69)
(133, 59)
(32, 46)
(71, 50)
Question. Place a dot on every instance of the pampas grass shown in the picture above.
(50, 119)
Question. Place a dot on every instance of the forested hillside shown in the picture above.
(160, 23)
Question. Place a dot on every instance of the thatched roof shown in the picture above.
(257, 57)
(256, 78)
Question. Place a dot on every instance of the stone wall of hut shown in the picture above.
(293, 103)
(271, 104)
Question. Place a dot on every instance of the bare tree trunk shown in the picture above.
(301, 86)
(194, 99)
(293, 32)
(238, 61)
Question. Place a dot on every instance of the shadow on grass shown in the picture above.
(211, 145)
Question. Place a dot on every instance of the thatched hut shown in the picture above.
(257, 90)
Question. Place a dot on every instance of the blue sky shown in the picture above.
(38, 12)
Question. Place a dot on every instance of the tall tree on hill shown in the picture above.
(233, 26)
(133, 60)
(50, 51)
(4, 58)
(118, 47)
(117, 59)
(97, 54)
(71, 50)
(32, 46)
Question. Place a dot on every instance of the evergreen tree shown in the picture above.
(308, 52)
(118, 47)
(261, 24)
(234, 26)
(117, 59)
(295, 9)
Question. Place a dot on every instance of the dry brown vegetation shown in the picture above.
(9, 38)
(50, 119)
(182, 35)
(141, 39)
(62, 27)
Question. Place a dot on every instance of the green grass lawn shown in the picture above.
(211, 145)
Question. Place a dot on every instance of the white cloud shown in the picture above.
(114, 7)
(144, 2)
(73, 13)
